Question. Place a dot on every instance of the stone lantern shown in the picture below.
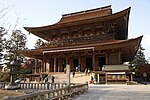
(12, 85)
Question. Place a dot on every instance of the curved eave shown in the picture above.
(31, 53)
(37, 30)
(128, 48)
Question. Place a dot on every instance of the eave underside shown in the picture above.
(128, 49)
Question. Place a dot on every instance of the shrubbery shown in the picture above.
(4, 77)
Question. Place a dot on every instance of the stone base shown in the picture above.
(11, 87)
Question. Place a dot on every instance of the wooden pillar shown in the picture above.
(48, 65)
(93, 59)
(106, 77)
(131, 77)
(119, 57)
(67, 60)
(107, 59)
(70, 63)
(44, 65)
(55, 64)
(58, 64)
(41, 66)
(97, 63)
(79, 64)
(36, 64)
(61, 65)
(83, 64)
(51, 65)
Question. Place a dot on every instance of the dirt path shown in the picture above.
(116, 92)
(4, 93)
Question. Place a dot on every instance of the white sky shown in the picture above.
(32, 13)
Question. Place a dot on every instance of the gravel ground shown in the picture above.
(4, 93)
(116, 92)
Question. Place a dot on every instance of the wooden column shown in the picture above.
(55, 64)
(67, 60)
(51, 65)
(119, 57)
(44, 64)
(41, 66)
(70, 62)
(107, 59)
(93, 59)
(96, 63)
(60, 64)
(79, 65)
(83, 64)
(48, 65)
(36, 64)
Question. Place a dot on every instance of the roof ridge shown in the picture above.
(87, 11)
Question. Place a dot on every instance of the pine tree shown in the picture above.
(39, 43)
(138, 60)
(17, 41)
(2, 41)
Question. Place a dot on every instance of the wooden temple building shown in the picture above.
(90, 39)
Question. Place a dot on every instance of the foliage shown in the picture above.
(27, 66)
(138, 61)
(9, 46)
(39, 43)
(4, 76)
(17, 41)
(2, 41)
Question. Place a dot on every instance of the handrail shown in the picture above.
(41, 86)
(60, 93)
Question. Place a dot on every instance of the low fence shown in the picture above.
(56, 94)
(41, 86)
(3, 84)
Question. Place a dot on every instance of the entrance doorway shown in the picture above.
(75, 64)
(101, 62)
(64, 65)
(89, 63)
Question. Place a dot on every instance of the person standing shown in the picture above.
(73, 73)
(53, 78)
(86, 71)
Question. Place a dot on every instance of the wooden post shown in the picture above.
(68, 73)
(79, 64)
(68, 76)
(36, 64)
(107, 58)
(47, 65)
(59, 65)
(119, 57)
(106, 77)
(54, 64)
(94, 60)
